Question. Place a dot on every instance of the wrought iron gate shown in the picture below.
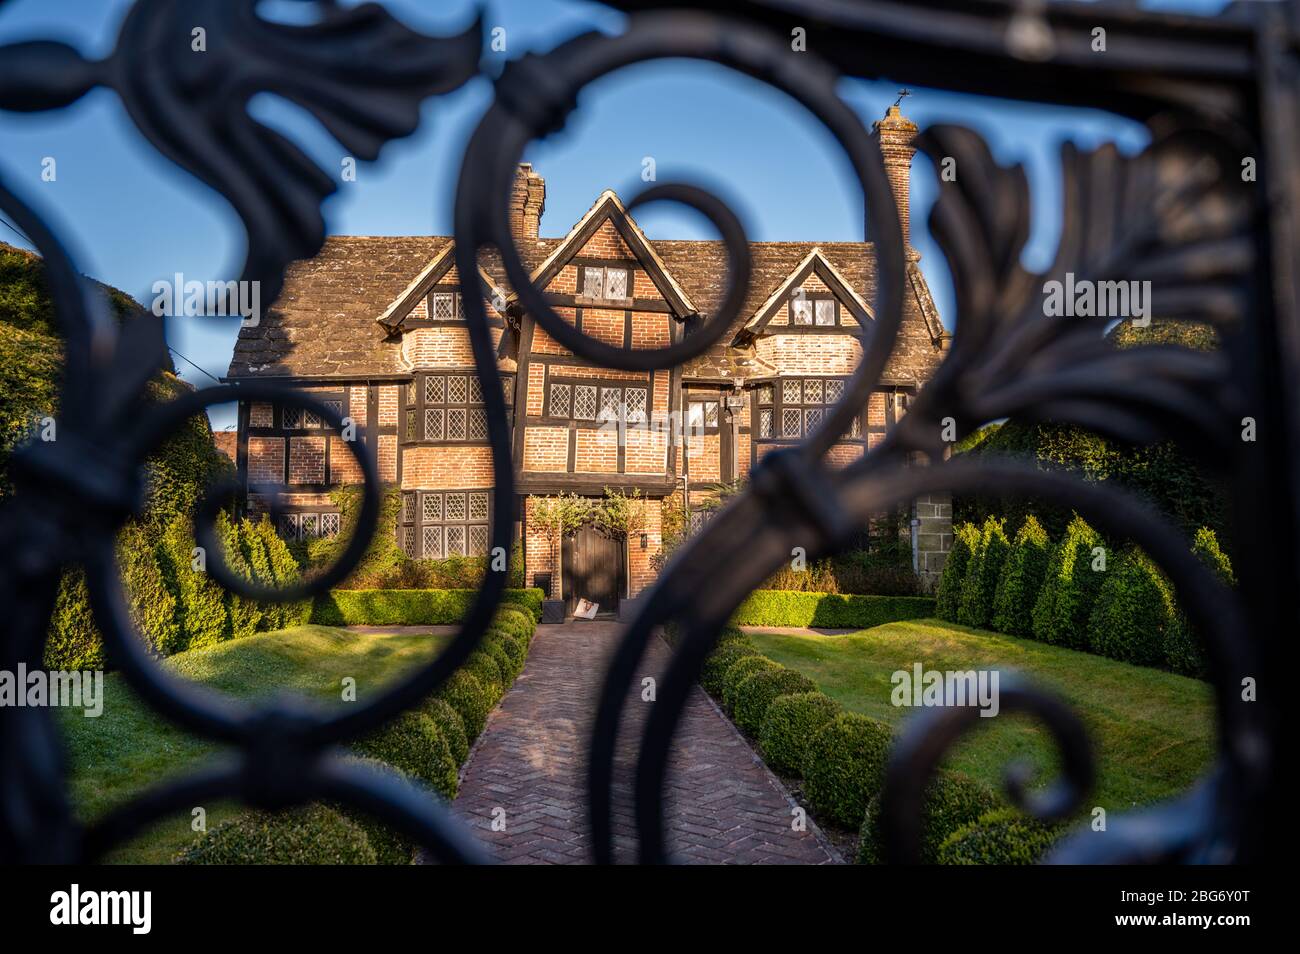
(1212, 91)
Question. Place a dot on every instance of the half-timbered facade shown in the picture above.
(376, 327)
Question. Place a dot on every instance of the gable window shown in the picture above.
(437, 524)
(792, 408)
(572, 400)
(809, 309)
(449, 407)
(606, 283)
(444, 305)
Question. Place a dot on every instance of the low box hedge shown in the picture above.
(738, 672)
(829, 610)
(413, 743)
(410, 607)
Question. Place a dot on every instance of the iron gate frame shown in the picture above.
(1211, 90)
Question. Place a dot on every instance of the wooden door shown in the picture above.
(593, 569)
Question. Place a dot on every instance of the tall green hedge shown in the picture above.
(1069, 588)
(830, 610)
(153, 605)
(948, 596)
(1021, 579)
(201, 603)
(975, 608)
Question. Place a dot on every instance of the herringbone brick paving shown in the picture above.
(723, 806)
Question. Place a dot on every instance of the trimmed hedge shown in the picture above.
(755, 694)
(980, 584)
(510, 648)
(1069, 589)
(844, 767)
(720, 660)
(314, 835)
(409, 607)
(412, 742)
(389, 845)
(1001, 837)
(471, 700)
(952, 800)
(739, 671)
(789, 725)
(486, 670)
(829, 610)
(151, 603)
(1021, 580)
(965, 538)
(1132, 612)
(450, 724)
(201, 605)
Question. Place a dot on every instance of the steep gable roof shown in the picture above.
(814, 263)
(438, 266)
(608, 207)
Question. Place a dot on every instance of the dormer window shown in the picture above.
(444, 305)
(605, 283)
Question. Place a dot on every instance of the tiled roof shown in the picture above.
(324, 323)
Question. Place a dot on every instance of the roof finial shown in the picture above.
(902, 94)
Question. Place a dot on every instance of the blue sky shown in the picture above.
(132, 218)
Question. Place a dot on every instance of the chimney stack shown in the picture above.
(527, 202)
(896, 133)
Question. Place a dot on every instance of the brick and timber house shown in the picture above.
(375, 325)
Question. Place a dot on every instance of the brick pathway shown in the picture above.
(724, 806)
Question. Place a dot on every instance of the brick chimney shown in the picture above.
(527, 202)
(896, 134)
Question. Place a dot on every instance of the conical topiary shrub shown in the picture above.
(1184, 650)
(1070, 588)
(1133, 610)
(1021, 580)
(948, 596)
(985, 567)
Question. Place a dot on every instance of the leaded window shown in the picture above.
(605, 283)
(597, 402)
(793, 408)
(809, 309)
(448, 406)
(437, 524)
(305, 525)
(444, 305)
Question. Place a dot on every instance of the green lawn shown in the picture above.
(130, 748)
(1153, 732)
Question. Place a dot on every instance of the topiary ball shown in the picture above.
(1002, 837)
(952, 800)
(789, 725)
(314, 835)
(718, 662)
(471, 700)
(758, 691)
(450, 724)
(737, 673)
(844, 767)
(412, 743)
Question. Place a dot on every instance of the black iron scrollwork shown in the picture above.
(1175, 214)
